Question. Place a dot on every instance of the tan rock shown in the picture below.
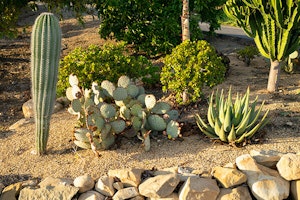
(51, 181)
(159, 186)
(129, 177)
(289, 166)
(126, 193)
(105, 186)
(239, 193)
(118, 185)
(91, 195)
(28, 111)
(265, 183)
(229, 177)
(295, 189)
(84, 183)
(199, 188)
(173, 196)
(268, 158)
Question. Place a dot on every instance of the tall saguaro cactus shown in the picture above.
(45, 54)
(274, 25)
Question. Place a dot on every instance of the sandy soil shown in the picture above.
(193, 150)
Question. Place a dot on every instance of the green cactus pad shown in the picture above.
(108, 88)
(76, 105)
(107, 142)
(171, 115)
(132, 90)
(161, 108)
(108, 111)
(105, 131)
(118, 126)
(136, 123)
(98, 120)
(141, 98)
(125, 112)
(83, 145)
(80, 134)
(124, 81)
(150, 101)
(136, 110)
(141, 90)
(173, 129)
(156, 123)
(120, 94)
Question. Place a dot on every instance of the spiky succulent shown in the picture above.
(232, 122)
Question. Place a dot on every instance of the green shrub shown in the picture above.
(189, 67)
(232, 122)
(106, 63)
(247, 54)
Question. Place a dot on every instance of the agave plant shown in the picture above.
(232, 122)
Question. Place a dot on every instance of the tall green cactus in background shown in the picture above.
(45, 54)
(274, 25)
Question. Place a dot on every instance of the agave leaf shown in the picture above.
(244, 123)
(231, 136)
(255, 118)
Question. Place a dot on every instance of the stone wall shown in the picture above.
(259, 175)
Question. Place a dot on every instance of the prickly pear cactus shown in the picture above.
(107, 111)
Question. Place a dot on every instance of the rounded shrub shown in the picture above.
(104, 63)
(189, 67)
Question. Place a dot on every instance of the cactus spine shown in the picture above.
(45, 54)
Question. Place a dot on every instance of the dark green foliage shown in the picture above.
(247, 54)
(152, 26)
(189, 67)
(10, 10)
(106, 63)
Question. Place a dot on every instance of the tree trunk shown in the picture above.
(185, 21)
(274, 76)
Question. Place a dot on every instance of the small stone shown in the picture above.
(118, 185)
(295, 189)
(129, 177)
(84, 183)
(159, 186)
(199, 188)
(91, 195)
(104, 185)
(126, 193)
(229, 177)
(265, 183)
(173, 196)
(11, 191)
(239, 193)
(139, 197)
(21, 123)
(28, 111)
(289, 166)
(268, 158)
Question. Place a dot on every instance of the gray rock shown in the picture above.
(91, 195)
(11, 191)
(159, 186)
(196, 188)
(239, 193)
(129, 177)
(126, 193)
(295, 189)
(84, 183)
(229, 177)
(289, 166)
(58, 192)
(104, 185)
(268, 158)
(265, 183)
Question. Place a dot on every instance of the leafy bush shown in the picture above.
(106, 63)
(232, 122)
(189, 67)
(247, 54)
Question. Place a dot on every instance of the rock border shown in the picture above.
(257, 175)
